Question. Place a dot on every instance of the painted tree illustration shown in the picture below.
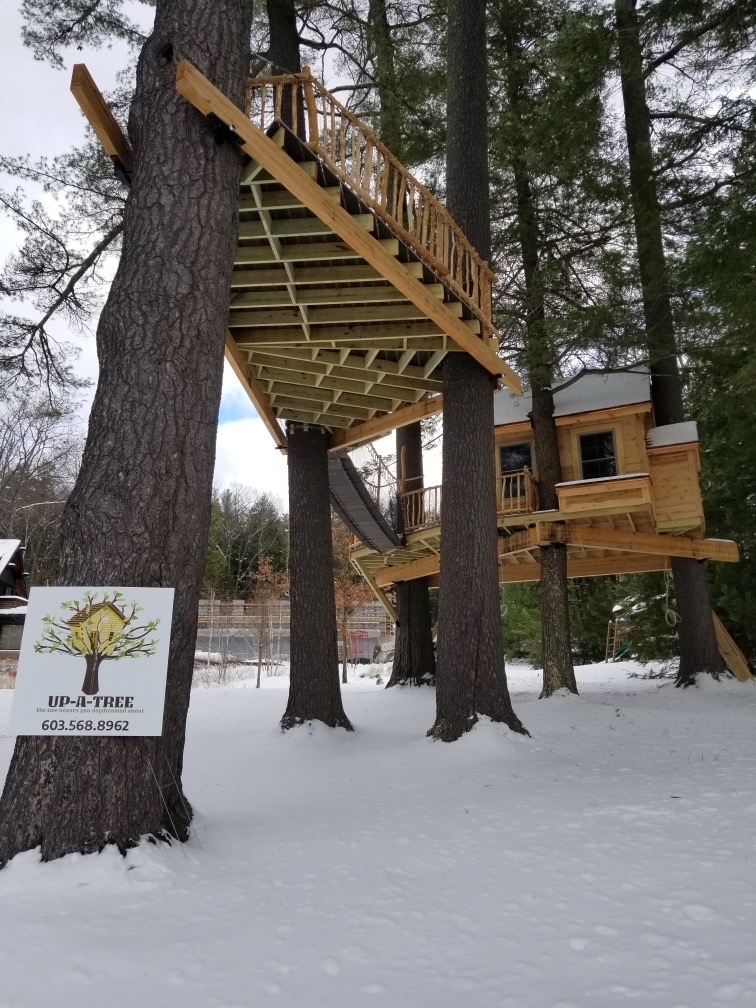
(104, 630)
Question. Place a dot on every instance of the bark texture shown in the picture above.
(414, 657)
(314, 693)
(284, 57)
(699, 652)
(139, 512)
(558, 670)
(470, 676)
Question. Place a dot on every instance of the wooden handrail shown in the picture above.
(354, 153)
(421, 508)
(517, 493)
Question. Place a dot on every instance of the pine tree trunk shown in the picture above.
(699, 652)
(91, 685)
(414, 658)
(558, 670)
(470, 676)
(284, 57)
(314, 693)
(139, 513)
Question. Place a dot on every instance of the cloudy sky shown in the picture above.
(39, 116)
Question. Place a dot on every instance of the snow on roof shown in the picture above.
(588, 392)
(671, 434)
(7, 548)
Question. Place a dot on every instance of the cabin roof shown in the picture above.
(588, 392)
(8, 548)
(85, 614)
(672, 434)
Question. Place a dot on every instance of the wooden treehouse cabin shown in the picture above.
(629, 501)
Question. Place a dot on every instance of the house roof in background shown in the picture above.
(588, 392)
(7, 548)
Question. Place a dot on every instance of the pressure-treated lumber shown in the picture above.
(208, 99)
(100, 117)
(733, 657)
(238, 362)
(375, 428)
(638, 542)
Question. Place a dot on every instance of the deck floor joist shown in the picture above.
(329, 341)
(319, 272)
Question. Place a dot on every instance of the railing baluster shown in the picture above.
(387, 186)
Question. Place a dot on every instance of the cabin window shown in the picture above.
(513, 459)
(598, 455)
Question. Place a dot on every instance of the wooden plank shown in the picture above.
(279, 199)
(297, 227)
(329, 390)
(375, 428)
(314, 252)
(379, 594)
(516, 573)
(733, 657)
(100, 118)
(272, 342)
(354, 334)
(207, 98)
(638, 542)
(353, 365)
(274, 369)
(325, 315)
(254, 390)
(382, 295)
(326, 274)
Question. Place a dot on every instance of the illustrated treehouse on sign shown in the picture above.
(98, 631)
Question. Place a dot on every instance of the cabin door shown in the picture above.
(512, 460)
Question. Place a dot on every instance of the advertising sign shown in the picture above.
(93, 661)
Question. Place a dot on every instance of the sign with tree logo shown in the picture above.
(93, 661)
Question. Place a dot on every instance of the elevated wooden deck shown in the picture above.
(351, 281)
(608, 526)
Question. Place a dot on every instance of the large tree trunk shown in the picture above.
(414, 659)
(558, 670)
(470, 676)
(140, 510)
(314, 693)
(698, 646)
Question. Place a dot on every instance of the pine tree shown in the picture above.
(470, 674)
(140, 510)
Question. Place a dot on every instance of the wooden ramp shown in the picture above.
(355, 506)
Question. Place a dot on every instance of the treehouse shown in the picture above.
(629, 501)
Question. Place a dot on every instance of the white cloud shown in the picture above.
(246, 454)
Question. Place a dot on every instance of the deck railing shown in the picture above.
(516, 493)
(354, 153)
(421, 508)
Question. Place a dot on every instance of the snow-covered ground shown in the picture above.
(608, 860)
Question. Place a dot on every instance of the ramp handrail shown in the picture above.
(352, 150)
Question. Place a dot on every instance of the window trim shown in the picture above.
(599, 429)
(511, 444)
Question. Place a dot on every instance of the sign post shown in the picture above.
(93, 661)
